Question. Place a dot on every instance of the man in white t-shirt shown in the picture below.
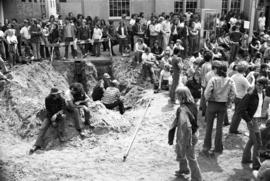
(26, 36)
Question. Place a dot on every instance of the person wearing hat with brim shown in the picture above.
(55, 106)
(250, 109)
(242, 87)
(111, 97)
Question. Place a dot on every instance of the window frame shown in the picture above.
(119, 17)
(193, 10)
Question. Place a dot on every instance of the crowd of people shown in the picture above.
(228, 69)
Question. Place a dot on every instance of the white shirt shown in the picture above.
(25, 32)
(2, 34)
(132, 22)
(261, 21)
(198, 25)
(12, 39)
(258, 113)
(165, 75)
(150, 57)
(233, 21)
(97, 34)
(241, 84)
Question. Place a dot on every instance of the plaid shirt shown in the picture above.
(111, 95)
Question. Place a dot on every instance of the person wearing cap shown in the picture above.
(55, 106)
(242, 87)
(250, 109)
(219, 93)
(111, 97)
(101, 86)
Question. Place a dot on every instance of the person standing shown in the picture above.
(176, 69)
(97, 35)
(261, 22)
(122, 34)
(219, 93)
(187, 135)
(25, 38)
(69, 37)
(235, 37)
(206, 67)
(250, 109)
(35, 32)
(166, 31)
(242, 86)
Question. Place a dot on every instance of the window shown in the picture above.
(178, 6)
(235, 5)
(191, 5)
(224, 6)
(119, 7)
(62, 1)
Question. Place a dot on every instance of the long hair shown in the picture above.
(184, 95)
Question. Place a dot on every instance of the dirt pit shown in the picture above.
(99, 157)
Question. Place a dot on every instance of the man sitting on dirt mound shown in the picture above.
(77, 100)
(101, 86)
(55, 105)
(111, 97)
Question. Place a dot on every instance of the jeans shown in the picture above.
(122, 44)
(190, 159)
(78, 116)
(233, 52)
(45, 126)
(148, 69)
(118, 103)
(36, 50)
(203, 102)
(213, 109)
(175, 82)
(27, 47)
(255, 142)
(68, 40)
(236, 116)
(96, 48)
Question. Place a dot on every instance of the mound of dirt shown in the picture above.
(22, 104)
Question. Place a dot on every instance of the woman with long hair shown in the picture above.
(187, 134)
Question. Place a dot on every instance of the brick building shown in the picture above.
(21, 9)
(112, 9)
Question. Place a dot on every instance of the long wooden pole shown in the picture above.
(136, 131)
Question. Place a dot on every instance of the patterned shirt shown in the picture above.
(111, 95)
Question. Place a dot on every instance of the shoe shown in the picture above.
(235, 132)
(33, 150)
(218, 151)
(179, 173)
(226, 124)
(255, 168)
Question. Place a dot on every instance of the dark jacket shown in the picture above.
(54, 105)
(248, 105)
(265, 134)
(195, 88)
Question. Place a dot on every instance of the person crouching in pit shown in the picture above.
(77, 100)
(55, 105)
(187, 134)
(164, 78)
(111, 97)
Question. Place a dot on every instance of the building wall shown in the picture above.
(1, 12)
(210, 4)
(96, 8)
(21, 10)
(166, 6)
(73, 6)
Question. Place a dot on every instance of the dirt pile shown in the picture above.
(22, 104)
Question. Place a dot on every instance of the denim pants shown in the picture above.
(96, 48)
(69, 40)
(203, 102)
(122, 45)
(236, 116)
(175, 82)
(190, 159)
(233, 52)
(45, 126)
(255, 142)
(36, 50)
(214, 109)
